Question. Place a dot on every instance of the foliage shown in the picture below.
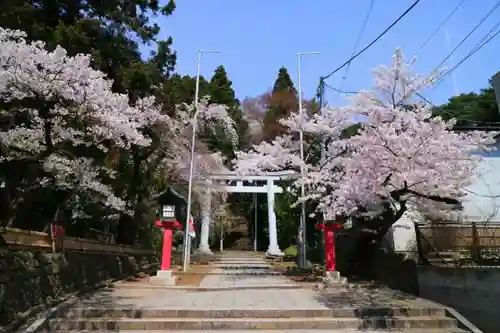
(471, 107)
(62, 126)
(221, 92)
(291, 251)
(110, 31)
(280, 102)
(399, 159)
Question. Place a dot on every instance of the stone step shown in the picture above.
(249, 313)
(281, 286)
(240, 259)
(241, 262)
(440, 330)
(249, 272)
(251, 323)
(241, 266)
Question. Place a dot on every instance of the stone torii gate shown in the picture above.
(235, 183)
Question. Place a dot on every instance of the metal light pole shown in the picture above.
(255, 222)
(302, 228)
(191, 163)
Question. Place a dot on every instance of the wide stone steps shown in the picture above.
(307, 323)
(452, 330)
(102, 319)
(248, 313)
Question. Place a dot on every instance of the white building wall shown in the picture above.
(481, 204)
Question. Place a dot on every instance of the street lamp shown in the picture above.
(191, 163)
(302, 228)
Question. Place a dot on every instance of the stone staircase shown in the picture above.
(334, 320)
(227, 308)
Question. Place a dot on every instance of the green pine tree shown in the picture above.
(282, 102)
(221, 92)
(283, 82)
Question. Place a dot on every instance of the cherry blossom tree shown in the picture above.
(400, 159)
(54, 107)
(61, 122)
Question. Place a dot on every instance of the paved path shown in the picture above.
(127, 296)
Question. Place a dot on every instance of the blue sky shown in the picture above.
(257, 37)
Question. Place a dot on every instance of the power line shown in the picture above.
(440, 26)
(425, 99)
(339, 90)
(363, 27)
(373, 41)
(468, 35)
(470, 54)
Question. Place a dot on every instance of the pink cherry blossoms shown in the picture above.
(400, 155)
(58, 105)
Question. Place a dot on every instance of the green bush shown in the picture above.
(291, 251)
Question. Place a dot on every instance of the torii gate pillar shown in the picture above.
(273, 249)
(205, 220)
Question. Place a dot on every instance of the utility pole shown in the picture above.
(186, 252)
(255, 222)
(302, 229)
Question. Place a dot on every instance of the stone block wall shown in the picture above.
(34, 277)
(472, 291)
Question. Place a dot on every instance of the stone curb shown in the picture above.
(463, 323)
(207, 289)
(232, 272)
(227, 313)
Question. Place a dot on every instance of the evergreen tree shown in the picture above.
(282, 102)
(471, 107)
(283, 82)
(221, 92)
(110, 31)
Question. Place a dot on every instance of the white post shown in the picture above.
(221, 241)
(186, 254)
(302, 229)
(255, 222)
(206, 219)
(273, 249)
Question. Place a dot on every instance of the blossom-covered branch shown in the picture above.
(398, 149)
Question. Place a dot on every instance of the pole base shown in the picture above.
(163, 278)
(274, 253)
(204, 250)
(333, 279)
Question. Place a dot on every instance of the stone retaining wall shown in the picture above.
(32, 276)
(472, 291)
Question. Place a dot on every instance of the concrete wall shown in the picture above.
(33, 278)
(472, 291)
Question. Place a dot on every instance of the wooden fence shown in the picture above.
(27, 239)
(460, 244)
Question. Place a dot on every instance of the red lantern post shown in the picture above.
(329, 235)
(166, 253)
(168, 223)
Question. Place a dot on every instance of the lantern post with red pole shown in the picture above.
(329, 227)
(168, 223)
